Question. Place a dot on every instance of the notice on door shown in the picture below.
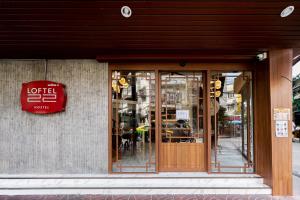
(182, 115)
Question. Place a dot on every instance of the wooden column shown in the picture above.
(262, 127)
(280, 70)
(273, 89)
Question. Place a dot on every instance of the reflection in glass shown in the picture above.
(231, 122)
(182, 107)
(133, 121)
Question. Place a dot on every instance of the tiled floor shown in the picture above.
(147, 197)
(229, 154)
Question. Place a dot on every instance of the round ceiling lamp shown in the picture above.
(287, 11)
(126, 11)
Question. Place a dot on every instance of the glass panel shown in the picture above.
(182, 107)
(231, 119)
(133, 121)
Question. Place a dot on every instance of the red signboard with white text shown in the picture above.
(43, 97)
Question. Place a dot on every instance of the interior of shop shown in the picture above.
(179, 141)
(231, 122)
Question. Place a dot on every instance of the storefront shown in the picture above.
(158, 97)
(163, 118)
(148, 118)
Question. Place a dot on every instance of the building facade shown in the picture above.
(110, 128)
(178, 91)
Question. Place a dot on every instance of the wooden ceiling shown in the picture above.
(160, 28)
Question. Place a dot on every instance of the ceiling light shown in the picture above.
(262, 56)
(287, 11)
(126, 11)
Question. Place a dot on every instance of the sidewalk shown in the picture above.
(296, 169)
(148, 197)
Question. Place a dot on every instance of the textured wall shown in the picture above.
(72, 142)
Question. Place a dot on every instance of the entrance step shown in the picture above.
(163, 183)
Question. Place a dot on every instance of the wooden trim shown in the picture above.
(208, 121)
(167, 57)
(158, 95)
(109, 121)
(248, 121)
(177, 67)
(157, 117)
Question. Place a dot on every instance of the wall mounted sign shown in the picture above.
(43, 97)
(281, 114)
(281, 129)
(281, 117)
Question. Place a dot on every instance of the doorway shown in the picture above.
(181, 140)
(133, 121)
(180, 121)
(231, 105)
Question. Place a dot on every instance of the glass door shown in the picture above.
(182, 122)
(133, 121)
(231, 122)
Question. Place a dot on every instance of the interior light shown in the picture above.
(287, 11)
(218, 84)
(122, 81)
(126, 11)
(218, 93)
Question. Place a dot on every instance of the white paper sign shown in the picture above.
(281, 128)
(182, 115)
(281, 114)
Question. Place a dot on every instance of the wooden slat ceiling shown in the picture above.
(87, 28)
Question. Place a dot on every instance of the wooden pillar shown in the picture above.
(280, 72)
(273, 89)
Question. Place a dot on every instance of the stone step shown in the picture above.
(133, 175)
(135, 185)
(146, 191)
(133, 182)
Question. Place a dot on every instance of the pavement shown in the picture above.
(296, 168)
(147, 197)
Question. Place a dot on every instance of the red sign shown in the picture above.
(43, 97)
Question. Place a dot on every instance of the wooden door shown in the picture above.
(181, 145)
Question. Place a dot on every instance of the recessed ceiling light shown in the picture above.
(262, 56)
(287, 11)
(126, 11)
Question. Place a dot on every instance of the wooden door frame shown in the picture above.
(251, 69)
(203, 72)
(206, 68)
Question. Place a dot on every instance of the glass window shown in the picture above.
(182, 107)
(231, 122)
(133, 121)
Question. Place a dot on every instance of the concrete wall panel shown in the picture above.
(71, 142)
